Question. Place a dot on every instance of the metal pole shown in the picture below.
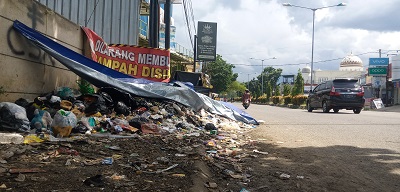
(248, 81)
(312, 49)
(167, 19)
(194, 53)
(262, 77)
(154, 24)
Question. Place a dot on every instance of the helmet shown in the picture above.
(247, 90)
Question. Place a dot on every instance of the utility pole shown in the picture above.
(167, 20)
(195, 53)
(154, 24)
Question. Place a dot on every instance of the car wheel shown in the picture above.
(335, 110)
(325, 108)
(357, 110)
(309, 108)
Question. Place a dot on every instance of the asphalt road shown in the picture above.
(299, 128)
(333, 151)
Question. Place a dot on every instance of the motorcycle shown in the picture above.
(246, 103)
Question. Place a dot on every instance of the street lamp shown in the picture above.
(262, 71)
(312, 46)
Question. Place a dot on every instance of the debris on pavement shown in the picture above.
(107, 141)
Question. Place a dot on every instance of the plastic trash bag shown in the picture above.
(95, 103)
(121, 108)
(13, 118)
(42, 121)
(63, 123)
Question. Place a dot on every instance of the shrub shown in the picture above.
(262, 99)
(277, 99)
(238, 99)
(299, 100)
(287, 99)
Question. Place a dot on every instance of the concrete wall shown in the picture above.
(25, 70)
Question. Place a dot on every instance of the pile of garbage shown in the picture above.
(65, 111)
(67, 115)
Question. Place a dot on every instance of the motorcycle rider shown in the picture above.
(246, 97)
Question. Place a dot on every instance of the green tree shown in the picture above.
(268, 90)
(255, 88)
(286, 89)
(271, 76)
(298, 87)
(234, 88)
(221, 74)
(277, 92)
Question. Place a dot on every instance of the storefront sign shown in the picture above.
(206, 41)
(377, 71)
(140, 62)
(378, 61)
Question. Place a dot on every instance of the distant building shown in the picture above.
(350, 67)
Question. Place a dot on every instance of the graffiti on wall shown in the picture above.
(20, 46)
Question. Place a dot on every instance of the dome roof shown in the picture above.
(351, 61)
(306, 70)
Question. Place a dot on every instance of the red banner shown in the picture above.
(139, 62)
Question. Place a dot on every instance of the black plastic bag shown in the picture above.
(94, 103)
(121, 108)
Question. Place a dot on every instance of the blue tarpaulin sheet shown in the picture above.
(102, 76)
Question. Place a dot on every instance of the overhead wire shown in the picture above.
(305, 63)
(187, 21)
(91, 13)
(192, 14)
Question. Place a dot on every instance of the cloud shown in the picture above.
(263, 29)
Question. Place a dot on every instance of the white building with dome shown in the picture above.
(351, 63)
(350, 67)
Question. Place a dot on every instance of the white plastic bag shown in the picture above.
(63, 123)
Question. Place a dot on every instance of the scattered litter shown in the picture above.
(261, 122)
(260, 152)
(284, 176)
(178, 175)
(20, 178)
(115, 148)
(68, 163)
(107, 161)
(32, 170)
(115, 176)
(210, 185)
(180, 155)
(14, 138)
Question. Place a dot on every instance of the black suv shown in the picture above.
(337, 94)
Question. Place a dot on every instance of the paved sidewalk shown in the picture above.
(394, 108)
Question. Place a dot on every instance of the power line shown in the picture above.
(322, 61)
(194, 23)
(187, 21)
(92, 13)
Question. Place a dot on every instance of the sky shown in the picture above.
(263, 29)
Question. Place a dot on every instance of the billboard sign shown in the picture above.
(140, 62)
(206, 41)
(378, 61)
(377, 71)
